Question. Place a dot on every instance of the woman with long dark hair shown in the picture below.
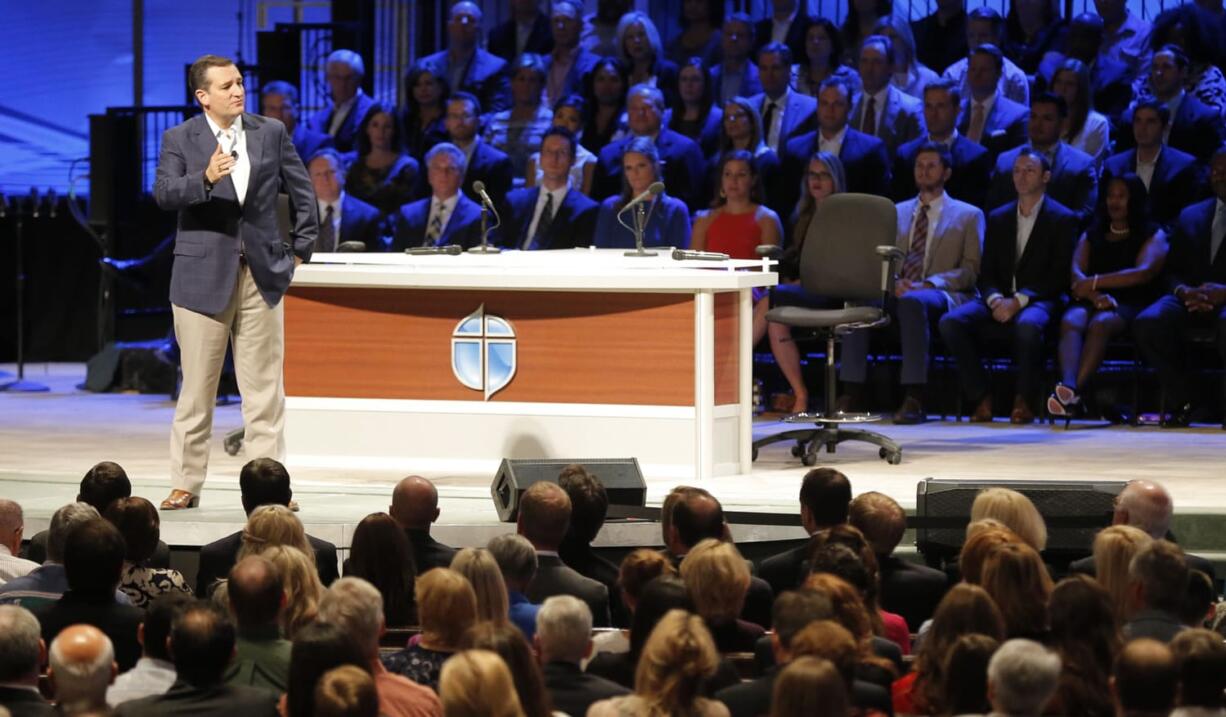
(1085, 634)
(862, 17)
(382, 174)
(425, 110)
(380, 554)
(693, 112)
(823, 59)
(1084, 128)
(700, 34)
(605, 90)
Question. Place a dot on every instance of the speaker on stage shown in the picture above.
(1073, 510)
(621, 477)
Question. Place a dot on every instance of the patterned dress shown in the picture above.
(418, 664)
(143, 585)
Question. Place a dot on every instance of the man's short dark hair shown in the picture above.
(197, 76)
(992, 51)
(777, 48)
(138, 523)
(264, 481)
(159, 616)
(843, 562)
(836, 81)
(694, 524)
(1162, 570)
(826, 492)
(93, 557)
(466, 97)
(201, 643)
(283, 88)
(564, 133)
(1177, 54)
(104, 483)
(940, 150)
(1149, 103)
(944, 84)
(794, 609)
(1036, 155)
(1201, 657)
(255, 588)
(1050, 98)
(589, 502)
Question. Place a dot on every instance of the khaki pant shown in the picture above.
(257, 332)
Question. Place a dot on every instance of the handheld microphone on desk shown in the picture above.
(452, 249)
(487, 204)
(683, 254)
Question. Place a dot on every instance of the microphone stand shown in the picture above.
(484, 247)
(20, 385)
(641, 217)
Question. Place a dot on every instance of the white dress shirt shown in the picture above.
(147, 678)
(234, 140)
(444, 208)
(832, 145)
(1145, 170)
(336, 215)
(341, 112)
(12, 566)
(1025, 226)
(559, 195)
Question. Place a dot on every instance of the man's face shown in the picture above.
(566, 25)
(1045, 124)
(342, 81)
(1165, 75)
(325, 178)
(981, 74)
(555, 158)
(832, 109)
(1028, 175)
(279, 107)
(980, 32)
(773, 73)
(223, 94)
(737, 40)
(1147, 127)
(940, 113)
(464, 26)
(875, 67)
(461, 121)
(526, 86)
(930, 174)
(444, 176)
(644, 116)
(1217, 176)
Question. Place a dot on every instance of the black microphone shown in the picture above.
(479, 188)
(683, 254)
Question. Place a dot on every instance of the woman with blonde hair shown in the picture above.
(508, 642)
(1114, 547)
(479, 566)
(271, 525)
(446, 607)
(1016, 578)
(676, 661)
(809, 686)
(477, 683)
(1016, 511)
(303, 590)
(717, 579)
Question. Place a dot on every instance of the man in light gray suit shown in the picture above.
(882, 110)
(222, 172)
(943, 238)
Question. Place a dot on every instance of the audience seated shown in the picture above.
(883, 110)
(589, 502)
(1114, 548)
(1084, 128)
(556, 214)
(1171, 177)
(657, 598)
(940, 38)
(477, 683)
(968, 658)
(44, 585)
(1145, 680)
(600, 27)
(825, 494)
(1200, 657)
(319, 648)
(787, 24)
(718, 580)
(693, 112)
(735, 75)
(466, 66)
(262, 481)
(985, 26)
(517, 131)
(423, 117)
(569, 63)
(1014, 511)
(1108, 80)
(303, 590)
(858, 24)
(665, 220)
(700, 22)
(637, 570)
(154, 672)
(639, 47)
(343, 217)
(279, 100)
(447, 216)
(810, 685)
(988, 117)
(970, 162)
(12, 526)
(509, 644)
(482, 163)
(380, 172)
(139, 524)
(1197, 29)
(446, 608)
(910, 75)
(415, 508)
(478, 566)
(843, 552)
(828, 640)
(544, 516)
(880, 658)
(1085, 636)
(380, 554)
(517, 562)
(347, 103)
(1195, 127)
(527, 30)
(82, 666)
(822, 59)
(739, 222)
(741, 130)
(1022, 677)
(785, 112)
(563, 640)
(568, 113)
(1125, 36)
(23, 655)
(1158, 577)
(1016, 578)
(604, 92)
(347, 691)
(258, 600)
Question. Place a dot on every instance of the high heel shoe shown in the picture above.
(1064, 403)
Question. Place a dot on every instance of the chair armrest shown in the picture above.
(768, 251)
(889, 254)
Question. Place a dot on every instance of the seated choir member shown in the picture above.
(1171, 177)
(785, 112)
(985, 26)
(555, 214)
(422, 119)
(989, 118)
(736, 75)
(971, 164)
(693, 113)
(667, 219)
(822, 60)
(741, 129)
(568, 113)
(347, 103)
(482, 162)
(1196, 127)
(882, 110)
(517, 131)
(467, 67)
(605, 94)
(1084, 128)
(446, 216)
(279, 100)
(639, 46)
(380, 172)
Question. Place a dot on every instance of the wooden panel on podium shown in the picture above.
(727, 348)
(573, 347)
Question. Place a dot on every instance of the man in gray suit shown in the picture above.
(222, 171)
(883, 110)
(544, 516)
(943, 238)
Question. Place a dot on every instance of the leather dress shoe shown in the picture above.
(180, 500)
(1180, 418)
(983, 412)
(1021, 413)
(910, 412)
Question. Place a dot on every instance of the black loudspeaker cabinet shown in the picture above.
(1074, 511)
(622, 479)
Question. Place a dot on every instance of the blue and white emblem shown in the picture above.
(483, 352)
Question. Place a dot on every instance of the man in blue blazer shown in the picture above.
(348, 105)
(896, 117)
(785, 112)
(1172, 176)
(736, 75)
(568, 64)
(279, 100)
(342, 216)
(446, 216)
(467, 67)
(1074, 181)
(525, 14)
(1195, 128)
(482, 162)
(221, 171)
(553, 215)
(1003, 123)
(789, 18)
(971, 167)
(1021, 293)
(1196, 278)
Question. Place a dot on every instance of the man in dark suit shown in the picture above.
(680, 155)
(222, 172)
(482, 163)
(20, 662)
(882, 110)
(788, 24)
(527, 30)
(415, 508)
(736, 75)
(1158, 578)
(589, 503)
(785, 112)
(1195, 128)
(1196, 279)
(989, 118)
(1171, 176)
(824, 496)
(348, 104)
(262, 481)
(553, 215)
(279, 100)
(465, 66)
(563, 640)
(1074, 181)
(568, 64)
(907, 588)
(201, 643)
(968, 179)
(446, 216)
(342, 216)
(940, 38)
(1022, 279)
(544, 515)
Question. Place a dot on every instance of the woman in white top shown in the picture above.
(910, 75)
(1084, 128)
(569, 114)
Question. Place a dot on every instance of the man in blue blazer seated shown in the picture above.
(482, 162)
(989, 117)
(221, 172)
(553, 215)
(1074, 181)
(569, 63)
(789, 22)
(785, 112)
(348, 105)
(1196, 279)
(509, 40)
(465, 66)
(668, 220)
(1195, 128)
(736, 75)
(1171, 176)
(971, 166)
(1023, 276)
(446, 216)
(882, 110)
(342, 216)
(279, 100)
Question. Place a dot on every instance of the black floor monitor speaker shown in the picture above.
(622, 479)
(1073, 510)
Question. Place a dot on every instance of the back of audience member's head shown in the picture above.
(82, 665)
(829, 640)
(1198, 600)
(1022, 677)
(544, 515)
(795, 609)
(159, 616)
(140, 525)
(318, 648)
(563, 629)
(1082, 621)
(658, 597)
(1200, 656)
(1159, 574)
(414, 503)
(666, 508)
(965, 610)
(201, 643)
(264, 481)
(964, 684)
(1016, 578)
(880, 518)
(848, 604)
(104, 483)
(1147, 505)
(1114, 548)
(255, 592)
(589, 503)
(1145, 679)
(982, 538)
(477, 683)
(639, 568)
(12, 524)
(825, 495)
(1015, 510)
(356, 607)
(809, 686)
(508, 642)
(697, 516)
(481, 570)
(63, 521)
(718, 580)
(859, 569)
(21, 650)
(677, 659)
(300, 580)
(93, 558)
(346, 691)
(446, 606)
(380, 554)
(271, 525)
(516, 559)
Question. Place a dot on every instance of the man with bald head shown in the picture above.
(1145, 679)
(544, 516)
(415, 507)
(22, 654)
(82, 666)
(12, 526)
(257, 597)
(467, 67)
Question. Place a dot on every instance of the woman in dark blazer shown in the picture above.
(693, 112)
(668, 220)
(639, 47)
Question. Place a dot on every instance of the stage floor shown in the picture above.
(48, 440)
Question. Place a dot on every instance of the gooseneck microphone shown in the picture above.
(487, 204)
(655, 190)
(479, 188)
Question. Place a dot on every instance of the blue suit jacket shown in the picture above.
(492, 166)
(464, 227)
(1074, 181)
(346, 135)
(503, 38)
(1196, 129)
(361, 222)
(684, 167)
(865, 163)
(799, 116)
(1189, 260)
(486, 78)
(573, 222)
(968, 181)
(1175, 183)
(1042, 271)
(212, 227)
(307, 142)
(583, 64)
(750, 84)
(795, 39)
(1003, 129)
(669, 225)
(903, 119)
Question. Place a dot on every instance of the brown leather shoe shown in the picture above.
(180, 500)
(983, 412)
(910, 412)
(1021, 414)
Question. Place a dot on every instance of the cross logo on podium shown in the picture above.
(483, 352)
